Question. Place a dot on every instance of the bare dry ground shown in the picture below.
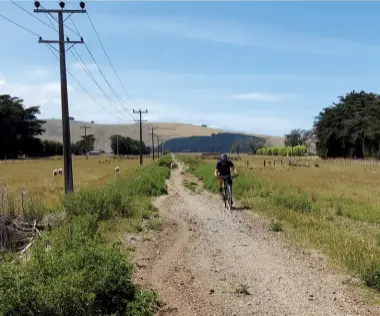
(210, 261)
(103, 132)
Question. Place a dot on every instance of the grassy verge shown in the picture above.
(351, 242)
(75, 270)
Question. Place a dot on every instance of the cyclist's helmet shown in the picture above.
(223, 157)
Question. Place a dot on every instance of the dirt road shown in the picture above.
(210, 261)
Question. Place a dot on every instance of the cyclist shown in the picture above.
(223, 169)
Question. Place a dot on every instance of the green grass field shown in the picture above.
(332, 208)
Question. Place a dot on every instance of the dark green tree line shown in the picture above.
(19, 128)
(127, 145)
(51, 148)
(349, 128)
(79, 147)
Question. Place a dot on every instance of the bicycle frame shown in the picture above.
(225, 185)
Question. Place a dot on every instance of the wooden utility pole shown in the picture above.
(140, 120)
(67, 159)
(85, 127)
(158, 146)
(153, 143)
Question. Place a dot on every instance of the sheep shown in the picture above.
(60, 171)
(117, 169)
(55, 172)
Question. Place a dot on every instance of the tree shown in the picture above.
(19, 128)
(237, 146)
(256, 143)
(52, 148)
(349, 128)
(79, 147)
(297, 137)
(127, 145)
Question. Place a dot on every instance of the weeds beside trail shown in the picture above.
(75, 269)
(345, 230)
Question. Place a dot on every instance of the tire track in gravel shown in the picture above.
(205, 251)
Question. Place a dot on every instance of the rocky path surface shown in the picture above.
(210, 261)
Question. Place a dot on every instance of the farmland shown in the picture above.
(334, 208)
(35, 178)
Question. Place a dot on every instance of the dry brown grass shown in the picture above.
(361, 183)
(37, 180)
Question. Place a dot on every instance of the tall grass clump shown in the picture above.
(119, 198)
(70, 273)
(165, 161)
(71, 270)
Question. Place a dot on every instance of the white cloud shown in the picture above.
(80, 66)
(39, 72)
(263, 97)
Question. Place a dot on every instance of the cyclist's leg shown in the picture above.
(220, 182)
(230, 183)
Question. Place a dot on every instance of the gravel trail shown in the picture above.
(205, 253)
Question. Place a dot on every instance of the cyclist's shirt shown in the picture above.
(224, 167)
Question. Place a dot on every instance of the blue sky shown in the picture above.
(262, 67)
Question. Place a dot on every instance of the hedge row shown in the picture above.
(282, 151)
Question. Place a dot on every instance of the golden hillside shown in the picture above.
(102, 132)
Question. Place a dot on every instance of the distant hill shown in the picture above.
(221, 142)
(102, 132)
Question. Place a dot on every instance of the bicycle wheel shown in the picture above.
(228, 200)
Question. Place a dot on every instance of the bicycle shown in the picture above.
(227, 191)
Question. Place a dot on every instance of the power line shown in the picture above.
(83, 64)
(106, 80)
(86, 69)
(118, 98)
(33, 15)
(79, 84)
(113, 68)
(52, 16)
(68, 27)
(24, 28)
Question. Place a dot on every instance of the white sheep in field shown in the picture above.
(55, 172)
(117, 169)
(60, 171)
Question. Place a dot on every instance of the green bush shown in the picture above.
(371, 277)
(165, 161)
(77, 276)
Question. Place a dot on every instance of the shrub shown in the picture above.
(77, 276)
(165, 161)
(371, 277)
(275, 226)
